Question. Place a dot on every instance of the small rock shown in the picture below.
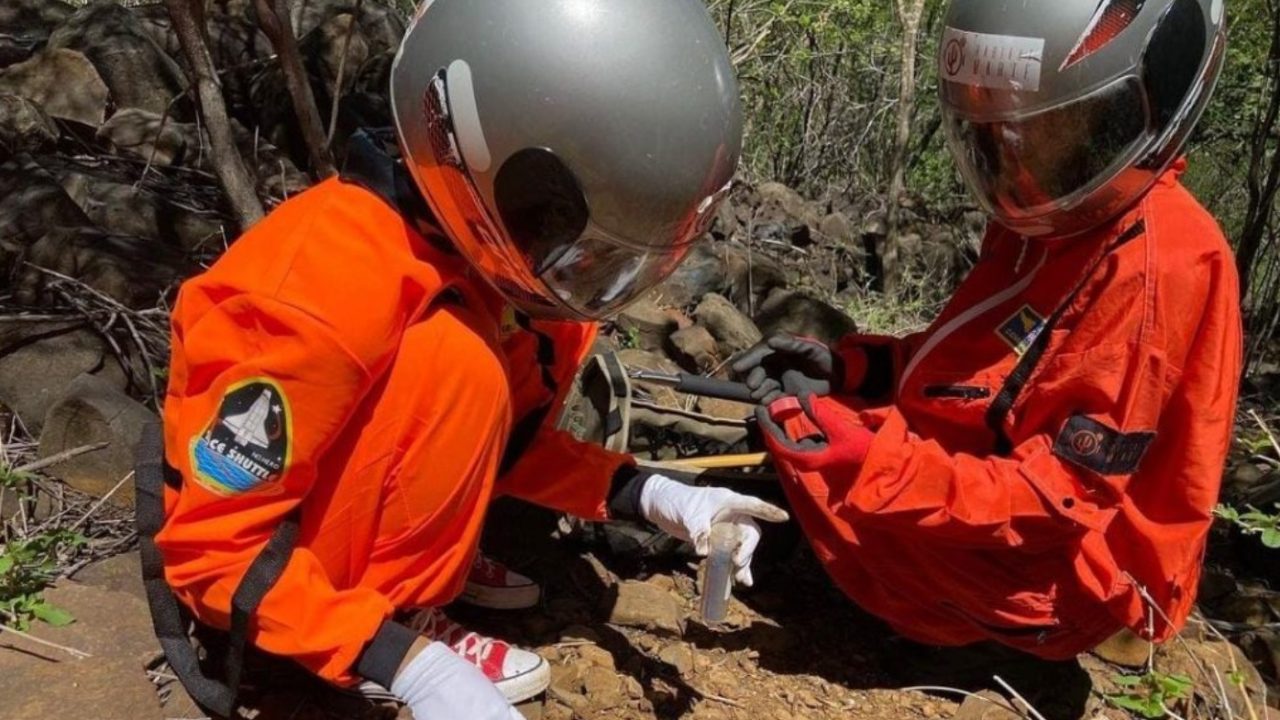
(790, 312)
(133, 271)
(596, 655)
(839, 229)
(94, 411)
(695, 349)
(530, 709)
(38, 361)
(678, 656)
(62, 82)
(1124, 649)
(733, 331)
(150, 137)
(1187, 655)
(645, 325)
(42, 15)
(637, 604)
(986, 705)
(24, 127)
(603, 687)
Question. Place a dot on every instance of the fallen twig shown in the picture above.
(1018, 696)
(1275, 445)
(56, 458)
(101, 501)
(963, 693)
(77, 654)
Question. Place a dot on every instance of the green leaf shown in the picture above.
(1127, 680)
(1227, 513)
(1271, 538)
(52, 614)
(1146, 707)
(6, 564)
(1175, 686)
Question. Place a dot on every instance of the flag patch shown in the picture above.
(246, 447)
(1021, 330)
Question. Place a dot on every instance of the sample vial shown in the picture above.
(717, 575)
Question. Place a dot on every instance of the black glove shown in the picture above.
(790, 365)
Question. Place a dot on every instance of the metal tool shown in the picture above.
(695, 385)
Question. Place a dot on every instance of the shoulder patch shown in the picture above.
(247, 444)
(1102, 449)
(1020, 330)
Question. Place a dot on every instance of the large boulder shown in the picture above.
(151, 137)
(24, 127)
(724, 268)
(92, 412)
(38, 361)
(62, 82)
(135, 69)
(123, 209)
(133, 271)
(25, 26)
(31, 204)
(40, 16)
(733, 331)
(799, 314)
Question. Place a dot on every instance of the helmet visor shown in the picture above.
(598, 277)
(1029, 166)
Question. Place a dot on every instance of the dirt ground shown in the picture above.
(625, 642)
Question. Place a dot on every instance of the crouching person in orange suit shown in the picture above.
(1039, 467)
(387, 352)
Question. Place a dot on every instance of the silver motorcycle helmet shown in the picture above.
(1061, 114)
(573, 150)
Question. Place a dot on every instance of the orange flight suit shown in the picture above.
(1116, 445)
(336, 360)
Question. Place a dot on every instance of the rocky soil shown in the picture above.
(107, 201)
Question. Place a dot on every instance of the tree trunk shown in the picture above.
(909, 14)
(273, 17)
(1263, 178)
(187, 17)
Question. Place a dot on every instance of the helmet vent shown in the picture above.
(1110, 19)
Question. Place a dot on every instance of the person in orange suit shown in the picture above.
(1040, 466)
(388, 351)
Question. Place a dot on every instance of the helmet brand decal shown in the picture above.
(1001, 62)
(246, 447)
(1110, 19)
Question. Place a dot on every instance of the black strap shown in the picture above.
(374, 164)
(524, 432)
(1017, 381)
(168, 617)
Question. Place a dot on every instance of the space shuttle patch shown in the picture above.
(246, 446)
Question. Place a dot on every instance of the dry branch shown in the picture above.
(187, 17)
(273, 18)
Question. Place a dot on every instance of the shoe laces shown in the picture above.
(470, 646)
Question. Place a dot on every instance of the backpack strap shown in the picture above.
(169, 619)
(1017, 381)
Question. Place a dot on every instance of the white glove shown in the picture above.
(688, 512)
(439, 685)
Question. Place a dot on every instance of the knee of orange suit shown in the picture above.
(414, 471)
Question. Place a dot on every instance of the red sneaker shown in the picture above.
(493, 586)
(519, 674)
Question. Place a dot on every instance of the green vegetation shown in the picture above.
(29, 564)
(1149, 695)
(821, 83)
(1255, 522)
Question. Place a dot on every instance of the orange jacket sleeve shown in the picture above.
(214, 531)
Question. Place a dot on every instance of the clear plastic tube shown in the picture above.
(717, 575)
